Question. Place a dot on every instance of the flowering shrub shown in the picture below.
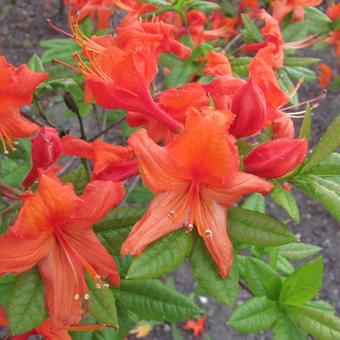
(204, 94)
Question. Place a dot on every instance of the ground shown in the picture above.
(23, 26)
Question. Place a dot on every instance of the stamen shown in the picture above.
(106, 285)
(208, 232)
(171, 214)
(86, 296)
(65, 64)
(76, 297)
(320, 96)
(190, 227)
(58, 29)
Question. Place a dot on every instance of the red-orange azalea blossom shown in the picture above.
(325, 75)
(193, 179)
(281, 8)
(16, 89)
(54, 230)
(334, 37)
(196, 326)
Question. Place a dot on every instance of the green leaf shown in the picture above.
(254, 315)
(306, 126)
(162, 256)
(114, 228)
(302, 285)
(240, 66)
(329, 167)
(321, 305)
(179, 75)
(298, 72)
(251, 28)
(61, 49)
(287, 85)
(286, 329)
(102, 304)
(152, 300)
(322, 325)
(7, 284)
(203, 6)
(257, 229)
(155, 2)
(35, 64)
(78, 177)
(326, 145)
(284, 266)
(255, 202)
(298, 251)
(26, 306)
(205, 271)
(315, 15)
(262, 279)
(298, 61)
(169, 60)
(327, 191)
(295, 31)
(286, 200)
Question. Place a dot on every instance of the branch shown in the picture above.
(101, 133)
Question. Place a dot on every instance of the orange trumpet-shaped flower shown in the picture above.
(281, 8)
(325, 76)
(334, 37)
(110, 162)
(193, 179)
(16, 89)
(54, 230)
(197, 326)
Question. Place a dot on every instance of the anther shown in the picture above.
(98, 285)
(106, 285)
(190, 227)
(76, 297)
(86, 296)
(16, 142)
(171, 214)
(208, 232)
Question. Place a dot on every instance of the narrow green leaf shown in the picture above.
(205, 271)
(257, 229)
(35, 64)
(321, 305)
(286, 200)
(262, 279)
(295, 31)
(306, 127)
(316, 15)
(102, 304)
(26, 306)
(284, 266)
(251, 28)
(152, 300)
(327, 191)
(178, 75)
(162, 256)
(299, 72)
(326, 145)
(302, 285)
(286, 329)
(329, 167)
(255, 202)
(322, 325)
(298, 251)
(298, 61)
(254, 315)
(287, 85)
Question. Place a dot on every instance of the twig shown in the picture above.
(9, 189)
(8, 209)
(71, 104)
(107, 129)
(232, 42)
(245, 288)
(31, 119)
(132, 186)
(42, 114)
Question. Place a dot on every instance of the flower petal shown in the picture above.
(212, 226)
(157, 170)
(153, 225)
(61, 281)
(20, 254)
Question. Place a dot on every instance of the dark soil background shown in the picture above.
(22, 26)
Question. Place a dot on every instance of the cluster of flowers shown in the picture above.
(187, 153)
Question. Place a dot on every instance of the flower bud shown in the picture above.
(276, 158)
(46, 150)
(249, 107)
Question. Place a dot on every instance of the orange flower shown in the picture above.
(197, 326)
(54, 230)
(176, 102)
(3, 319)
(16, 89)
(281, 8)
(193, 179)
(110, 162)
(325, 75)
(217, 64)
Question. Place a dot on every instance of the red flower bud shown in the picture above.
(249, 107)
(46, 150)
(276, 158)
